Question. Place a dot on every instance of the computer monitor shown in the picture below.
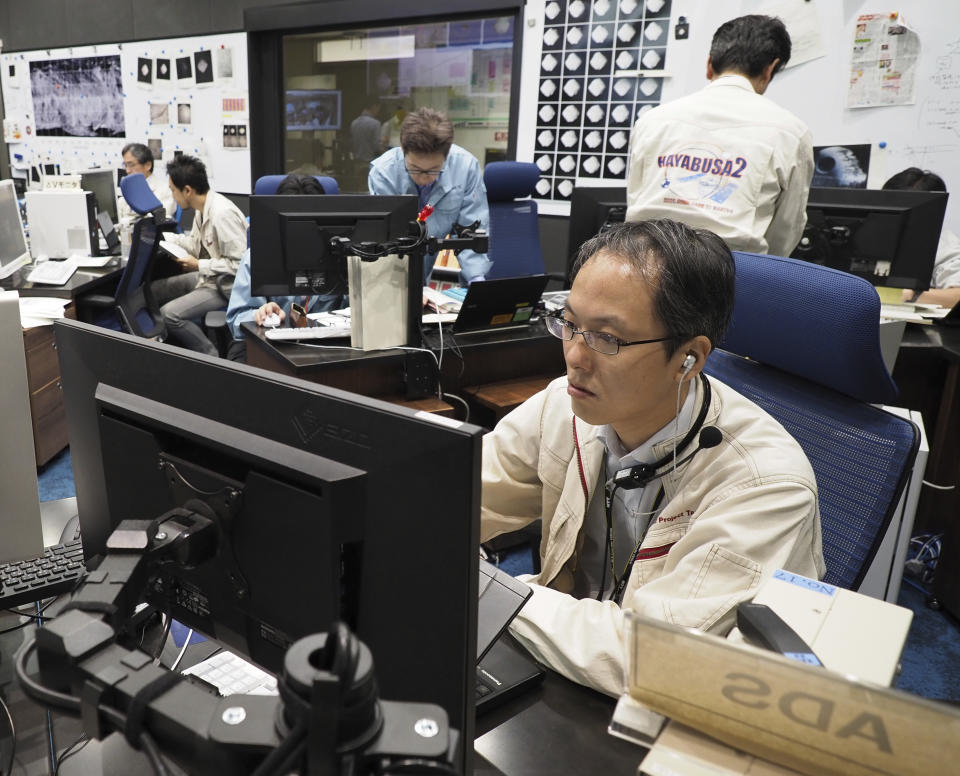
(290, 250)
(62, 223)
(407, 538)
(13, 243)
(101, 183)
(888, 237)
(592, 208)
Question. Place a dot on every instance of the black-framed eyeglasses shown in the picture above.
(417, 171)
(599, 341)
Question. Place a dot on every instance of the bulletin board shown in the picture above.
(924, 133)
(77, 107)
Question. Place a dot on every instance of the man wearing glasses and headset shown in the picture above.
(661, 490)
(441, 174)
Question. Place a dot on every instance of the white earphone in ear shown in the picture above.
(688, 362)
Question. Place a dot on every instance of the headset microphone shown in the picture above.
(638, 476)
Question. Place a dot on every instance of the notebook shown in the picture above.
(504, 670)
(505, 303)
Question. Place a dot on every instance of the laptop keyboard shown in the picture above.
(232, 675)
(56, 571)
(456, 293)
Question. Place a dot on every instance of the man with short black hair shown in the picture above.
(728, 496)
(215, 245)
(727, 158)
(442, 175)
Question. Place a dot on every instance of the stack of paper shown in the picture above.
(40, 310)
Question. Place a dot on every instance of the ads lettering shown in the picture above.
(809, 710)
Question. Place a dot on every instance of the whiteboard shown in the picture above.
(925, 134)
(105, 96)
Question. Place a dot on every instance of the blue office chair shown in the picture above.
(804, 345)
(132, 307)
(514, 227)
(138, 194)
(267, 184)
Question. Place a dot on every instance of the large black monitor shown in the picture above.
(888, 237)
(592, 208)
(290, 237)
(102, 184)
(314, 474)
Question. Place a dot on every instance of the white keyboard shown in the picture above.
(93, 262)
(53, 273)
(308, 333)
(232, 675)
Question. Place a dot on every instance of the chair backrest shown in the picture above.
(514, 227)
(138, 194)
(862, 456)
(267, 184)
(136, 307)
(811, 321)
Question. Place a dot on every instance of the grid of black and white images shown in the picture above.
(589, 92)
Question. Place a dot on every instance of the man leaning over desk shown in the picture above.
(442, 175)
(649, 301)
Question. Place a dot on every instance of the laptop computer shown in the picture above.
(109, 233)
(504, 303)
(504, 670)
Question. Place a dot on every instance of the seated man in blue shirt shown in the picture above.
(244, 307)
(441, 174)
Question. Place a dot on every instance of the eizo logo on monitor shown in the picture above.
(308, 426)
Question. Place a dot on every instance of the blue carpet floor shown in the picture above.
(931, 659)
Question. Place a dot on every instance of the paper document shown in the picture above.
(40, 310)
(174, 249)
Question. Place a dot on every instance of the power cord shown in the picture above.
(13, 739)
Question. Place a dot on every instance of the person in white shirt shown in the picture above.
(215, 246)
(945, 281)
(727, 158)
(138, 158)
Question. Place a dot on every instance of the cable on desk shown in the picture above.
(183, 650)
(938, 487)
(466, 407)
(167, 622)
(71, 750)
(13, 738)
(286, 754)
(149, 747)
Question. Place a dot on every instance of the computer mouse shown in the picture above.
(271, 320)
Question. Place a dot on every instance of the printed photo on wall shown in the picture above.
(234, 136)
(155, 144)
(841, 166)
(203, 67)
(159, 113)
(144, 71)
(183, 113)
(184, 71)
(162, 69)
(223, 63)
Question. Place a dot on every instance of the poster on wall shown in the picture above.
(597, 67)
(78, 97)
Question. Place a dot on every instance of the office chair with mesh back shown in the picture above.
(804, 345)
(132, 305)
(514, 225)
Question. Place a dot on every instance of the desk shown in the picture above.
(43, 368)
(928, 375)
(467, 362)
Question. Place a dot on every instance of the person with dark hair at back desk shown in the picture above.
(214, 246)
(945, 282)
(727, 158)
(444, 176)
(731, 496)
(243, 306)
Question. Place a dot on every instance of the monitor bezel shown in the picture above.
(6, 270)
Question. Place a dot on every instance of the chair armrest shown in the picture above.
(215, 319)
(98, 300)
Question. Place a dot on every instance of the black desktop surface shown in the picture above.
(419, 565)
